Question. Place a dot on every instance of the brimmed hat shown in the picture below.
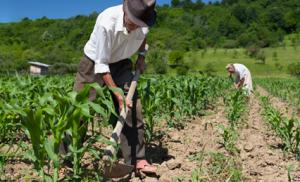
(141, 12)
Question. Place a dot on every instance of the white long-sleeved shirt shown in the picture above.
(110, 42)
(241, 70)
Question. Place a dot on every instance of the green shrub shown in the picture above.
(229, 44)
(209, 69)
(63, 68)
(294, 69)
(175, 57)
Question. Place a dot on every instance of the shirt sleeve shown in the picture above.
(240, 71)
(103, 50)
(243, 73)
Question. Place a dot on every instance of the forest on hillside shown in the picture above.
(183, 26)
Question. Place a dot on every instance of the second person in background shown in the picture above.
(243, 77)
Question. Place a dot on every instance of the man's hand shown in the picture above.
(140, 64)
(121, 102)
(240, 83)
(110, 83)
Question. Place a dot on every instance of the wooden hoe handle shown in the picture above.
(110, 150)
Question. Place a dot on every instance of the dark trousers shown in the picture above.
(132, 136)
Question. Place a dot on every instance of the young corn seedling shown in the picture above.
(75, 112)
(229, 138)
(51, 117)
(286, 131)
(235, 102)
(297, 141)
(150, 104)
(32, 120)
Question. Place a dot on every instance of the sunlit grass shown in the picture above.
(275, 58)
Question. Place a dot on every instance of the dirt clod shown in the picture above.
(173, 164)
(248, 147)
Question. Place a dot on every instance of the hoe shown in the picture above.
(117, 169)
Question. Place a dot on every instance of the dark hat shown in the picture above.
(140, 12)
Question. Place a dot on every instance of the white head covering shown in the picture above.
(229, 66)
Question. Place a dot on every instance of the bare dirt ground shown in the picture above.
(179, 154)
(261, 155)
(177, 147)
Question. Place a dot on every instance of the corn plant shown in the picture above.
(2, 164)
(9, 124)
(271, 114)
(286, 132)
(66, 114)
(150, 103)
(32, 121)
(47, 117)
(297, 141)
(230, 136)
(46, 111)
(287, 129)
(175, 99)
(235, 102)
(285, 88)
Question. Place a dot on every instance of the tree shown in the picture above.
(229, 2)
(157, 61)
(176, 3)
(275, 16)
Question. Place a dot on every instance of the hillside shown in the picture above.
(184, 26)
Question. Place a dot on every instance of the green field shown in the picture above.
(33, 109)
(276, 66)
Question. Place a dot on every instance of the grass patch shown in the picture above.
(216, 167)
(276, 60)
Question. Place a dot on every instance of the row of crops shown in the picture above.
(236, 103)
(285, 88)
(235, 106)
(286, 128)
(37, 113)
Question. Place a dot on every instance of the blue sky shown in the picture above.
(15, 10)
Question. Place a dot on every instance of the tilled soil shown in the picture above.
(200, 136)
(262, 158)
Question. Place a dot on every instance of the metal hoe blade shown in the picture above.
(117, 170)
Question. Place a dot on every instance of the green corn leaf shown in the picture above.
(85, 110)
(49, 110)
(49, 147)
(97, 108)
(83, 94)
(48, 178)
